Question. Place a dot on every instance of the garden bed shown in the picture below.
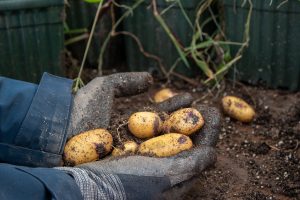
(255, 161)
(260, 160)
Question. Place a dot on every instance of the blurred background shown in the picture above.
(252, 41)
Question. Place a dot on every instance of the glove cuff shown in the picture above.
(96, 186)
(103, 185)
(144, 187)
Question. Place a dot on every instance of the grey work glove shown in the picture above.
(92, 106)
(136, 176)
(147, 177)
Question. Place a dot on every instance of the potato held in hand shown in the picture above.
(166, 145)
(163, 95)
(185, 121)
(144, 124)
(87, 147)
(129, 147)
(238, 109)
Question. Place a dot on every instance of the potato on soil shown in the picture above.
(166, 145)
(238, 109)
(129, 147)
(163, 95)
(144, 124)
(87, 147)
(185, 121)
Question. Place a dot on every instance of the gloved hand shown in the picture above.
(93, 103)
(147, 177)
(136, 176)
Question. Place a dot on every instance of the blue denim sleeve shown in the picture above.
(15, 99)
(19, 183)
(34, 120)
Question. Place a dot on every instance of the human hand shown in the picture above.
(92, 106)
(92, 109)
(146, 177)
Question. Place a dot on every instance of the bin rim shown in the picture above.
(6, 5)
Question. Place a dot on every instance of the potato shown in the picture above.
(129, 147)
(144, 124)
(87, 147)
(238, 109)
(166, 145)
(163, 95)
(185, 121)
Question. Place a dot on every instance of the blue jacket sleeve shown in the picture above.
(34, 120)
(19, 183)
(15, 99)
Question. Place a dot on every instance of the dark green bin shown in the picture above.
(154, 39)
(31, 38)
(273, 57)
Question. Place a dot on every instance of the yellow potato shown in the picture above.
(87, 147)
(185, 121)
(166, 145)
(129, 147)
(163, 95)
(144, 124)
(238, 109)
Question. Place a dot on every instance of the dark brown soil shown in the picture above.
(259, 160)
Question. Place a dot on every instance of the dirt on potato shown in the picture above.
(256, 161)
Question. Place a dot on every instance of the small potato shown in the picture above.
(238, 109)
(129, 147)
(166, 145)
(163, 95)
(87, 147)
(185, 121)
(144, 124)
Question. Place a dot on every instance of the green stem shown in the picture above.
(184, 14)
(210, 43)
(76, 39)
(246, 37)
(216, 22)
(169, 33)
(225, 68)
(76, 31)
(126, 14)
(168, 8)
(88, 46)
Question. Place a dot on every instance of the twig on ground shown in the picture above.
(297, 145)
(118, 132)
(189, 80)
(200, 99)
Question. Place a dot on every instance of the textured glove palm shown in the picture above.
(142, 177)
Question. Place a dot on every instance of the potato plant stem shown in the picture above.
(78, 79)
(169, 33)
(246, 36)
(76, 39)
(224, 69)
(184, 13)
(105, 43)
